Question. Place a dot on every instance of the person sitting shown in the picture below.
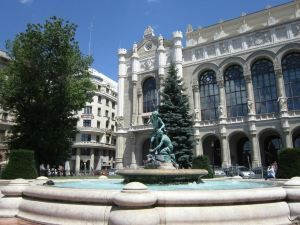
(270, 172)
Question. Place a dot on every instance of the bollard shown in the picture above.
(9, 203)
(292, 188)
(134, 205)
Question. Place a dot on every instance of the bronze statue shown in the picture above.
(161, 148)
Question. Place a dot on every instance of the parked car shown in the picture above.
(239, 171)
(245, 172)
(219, 172)
(112, 172)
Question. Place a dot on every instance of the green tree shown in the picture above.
(174, 111)
(46, 81)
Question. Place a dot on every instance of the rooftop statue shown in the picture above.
(161, 148)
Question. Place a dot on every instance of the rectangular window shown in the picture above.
(112, 116)
(99, 112)
(106, 113)
(87, 123)
(99, 99)
(107, 102)
(107, 123)
(107, 90)
(112, 127)
(87, 110)
(113, 105)
(107, 139)
(86, 137)
(98, 124)
(97, 138)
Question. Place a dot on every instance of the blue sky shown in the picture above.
(118, 23)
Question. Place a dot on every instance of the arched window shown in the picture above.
(209, 95)
(291, 76)
(264, 86)
(235, 89)
(149, 95)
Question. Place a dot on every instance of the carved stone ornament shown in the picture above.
(248, 78)
(195, 87)
(283, 104)
(149, 32)
(250, 105)
(148, 64)
(119, 121)
(220, 83)
(196, 114)
(221, 111)
(278, 73)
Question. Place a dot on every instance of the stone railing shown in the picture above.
(267, 116)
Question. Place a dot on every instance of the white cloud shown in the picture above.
(25, 1)
(152, 1)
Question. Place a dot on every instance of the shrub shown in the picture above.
(202, 162)
(289, 163)
(21, 165)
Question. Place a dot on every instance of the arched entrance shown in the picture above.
(212, 149)
(240, 150)
(270, 144)
(146, 147)
(296, 138)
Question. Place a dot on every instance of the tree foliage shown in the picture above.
(21, 165)
(174, 111)
(202, 162)
(45, 82)
(289, 163)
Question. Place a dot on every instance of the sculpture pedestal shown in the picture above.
(166, 166)
(162, 176)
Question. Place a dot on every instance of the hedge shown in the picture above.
(202, 162)
(21, 165)
(289, 163)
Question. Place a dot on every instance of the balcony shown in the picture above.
(92, 129)
(92, 144)
(140, 127)
(87, 116)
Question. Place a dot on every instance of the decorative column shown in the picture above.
(250, 95)
(225, 149)
(77, 162)
(121, 133)
(222, 106)
(140, 107)
(161, 63)
(92, 160)
(135, 70)
(197, 106)
(133, 148)
(199, 147)
(120, 147)
(177, 57)
(256, 157)
(283, 108)
(121, 82)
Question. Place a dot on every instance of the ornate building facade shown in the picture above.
(243, 79)
(6, 119)
(94, 145)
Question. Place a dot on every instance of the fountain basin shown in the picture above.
(162, 176)
(136, 205)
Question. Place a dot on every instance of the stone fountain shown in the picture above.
(161, 166)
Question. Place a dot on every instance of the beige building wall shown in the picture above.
(94, 146)
(269, 34)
